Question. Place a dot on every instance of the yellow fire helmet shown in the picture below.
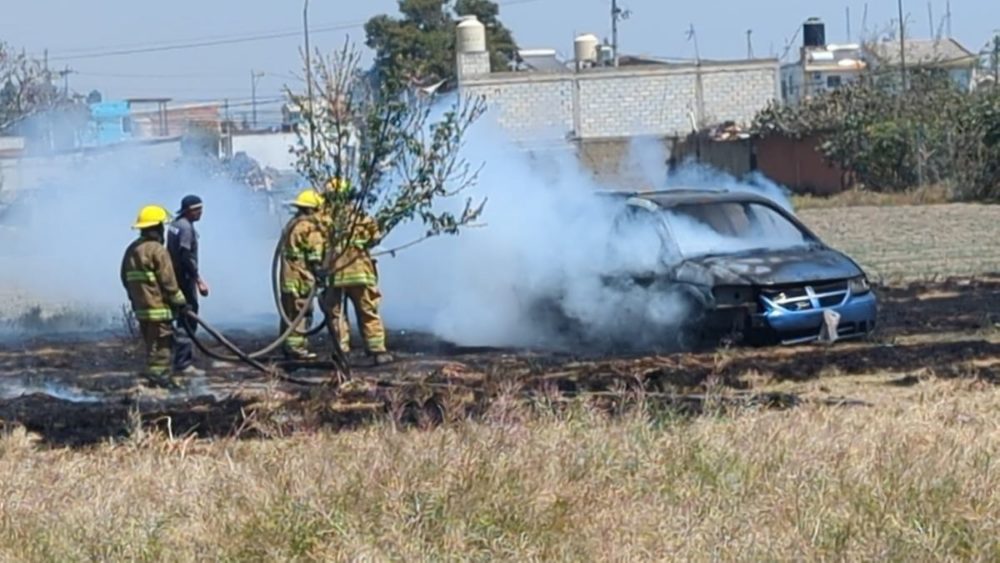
(339, 185)
(308, 199)
(151, 216)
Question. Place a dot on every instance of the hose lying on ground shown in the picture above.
(241, 356)
(250, 358)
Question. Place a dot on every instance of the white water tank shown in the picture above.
(585, 48)
(471, 35)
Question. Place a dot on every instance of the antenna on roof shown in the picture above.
(930, 17)
(948, 17)
(940, 28)
(864, 23)
(847, 10)
(692, 35)
(790, 42)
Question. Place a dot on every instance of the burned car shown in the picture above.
(739, 265)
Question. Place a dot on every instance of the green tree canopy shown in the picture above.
(418, 48)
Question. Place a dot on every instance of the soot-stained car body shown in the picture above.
(746, 268)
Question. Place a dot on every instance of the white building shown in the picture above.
(821, 67)
(942, 55)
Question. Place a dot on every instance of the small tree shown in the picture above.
(24, 87)
(400, 152)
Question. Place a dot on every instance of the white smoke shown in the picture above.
(548, 239)
(62, 243)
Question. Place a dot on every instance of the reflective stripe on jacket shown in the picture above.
(353, 264)
(304, 249)
(148, 276)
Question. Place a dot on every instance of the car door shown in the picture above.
(639, 247)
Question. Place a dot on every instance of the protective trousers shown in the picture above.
(163, 351)
(297, 342)
(365, 300)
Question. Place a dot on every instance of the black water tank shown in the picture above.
(813, 33)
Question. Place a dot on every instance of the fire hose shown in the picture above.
(252, 358)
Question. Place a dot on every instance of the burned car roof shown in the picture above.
(667, 199)
(671, 198)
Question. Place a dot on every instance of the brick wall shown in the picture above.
(625, 102)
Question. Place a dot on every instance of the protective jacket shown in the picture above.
(304, 251)
(353, 264)
(148, 276)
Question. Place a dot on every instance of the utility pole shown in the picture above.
(614, 29)
(253, 94)
(64, 74)
(902, 43)
(617, 15)
(995, 60)
(309, 77)
(749, 44)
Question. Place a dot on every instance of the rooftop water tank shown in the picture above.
(813, 33)
(585, 48)
(471, 35)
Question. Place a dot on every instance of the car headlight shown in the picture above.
(859, 285)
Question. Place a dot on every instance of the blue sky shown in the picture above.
(69, 28)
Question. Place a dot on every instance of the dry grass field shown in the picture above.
(913, 481)
(914, 242)
(884, 449)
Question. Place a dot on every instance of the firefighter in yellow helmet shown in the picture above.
(147, 274)
(354, 277)
(302, 259)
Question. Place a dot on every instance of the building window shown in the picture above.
(833, 82)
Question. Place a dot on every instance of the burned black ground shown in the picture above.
(79, 391)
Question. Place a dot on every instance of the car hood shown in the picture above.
(768, 267)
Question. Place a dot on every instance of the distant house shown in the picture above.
(821, 67)
(825, 67)
(110, 123)
(942, 55)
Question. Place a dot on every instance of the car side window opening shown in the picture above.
(639, 241)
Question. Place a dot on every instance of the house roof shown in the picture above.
(926, 52)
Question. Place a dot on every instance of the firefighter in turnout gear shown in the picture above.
(354, 278)
(155, 295)
(301, 268)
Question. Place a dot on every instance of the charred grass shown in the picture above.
(917, 482)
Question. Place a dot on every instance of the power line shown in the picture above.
(216, 40)
(144, 44)
(200, 44)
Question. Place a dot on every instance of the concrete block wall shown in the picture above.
(626, 102)
(738, 93)
(629, 104)
(533, 107)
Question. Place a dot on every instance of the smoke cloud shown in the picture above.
(536, 273)
(61, 244)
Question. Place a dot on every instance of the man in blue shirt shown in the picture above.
(182, 243)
